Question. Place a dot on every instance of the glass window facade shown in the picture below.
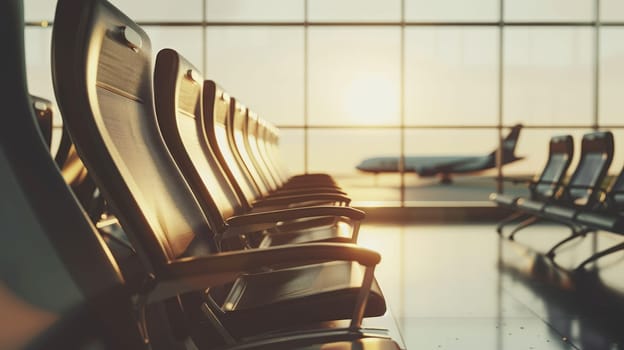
(400, 80)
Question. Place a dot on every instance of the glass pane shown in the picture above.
(451, 10)
(448, 165)
(611, 10)
(611, 76)
(451, 76)
(39, 65)
(338, 152)
(161, 10)
(39, 10)
(185, 40)
(354, 76)
(262, 66)
(291, 146)
(354, 10)
(548, 76)
(549, 10)
(254, 10)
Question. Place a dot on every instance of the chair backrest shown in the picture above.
(595, 159)
(178, 94)
(47, 240)
(273, 151)
(102, 77)
(251, 132)
(43, 111)
(560, 153)
(216, 114)
(264, 144)
(615, 194)
(237, 129)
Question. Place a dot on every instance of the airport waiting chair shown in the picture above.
(178, 93)
(253, 134)
(216, 113)
(104, 90)
(239, 135)
(47, 239)
(272, 152)
(546, 186)
(609, 216)
(582, 190)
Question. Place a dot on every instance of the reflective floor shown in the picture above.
(385, 189)
(446, 290)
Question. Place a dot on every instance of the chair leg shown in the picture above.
(511, 218)
(582, 233)
(524, 224)
(599, 255)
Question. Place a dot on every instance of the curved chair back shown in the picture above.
(103, 81)
(47, 239)
(237, 135)
(217, 111)
(596, 155)
(615, 194)
(263, 144)
(178, 95)
(252, 135)
(560, 152)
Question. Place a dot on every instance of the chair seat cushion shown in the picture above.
(314, 293)
(530, 205)
(339, 231)
(602, 221)
(559, 212)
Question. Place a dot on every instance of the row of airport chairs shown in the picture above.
(583, 203)
(229, 250)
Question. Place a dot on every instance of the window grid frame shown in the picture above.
(501, 24)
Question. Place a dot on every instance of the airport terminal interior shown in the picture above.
(312, 174)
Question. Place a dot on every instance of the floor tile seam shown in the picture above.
(537, 315)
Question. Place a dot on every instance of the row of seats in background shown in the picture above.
(208, 243)
(585, 202)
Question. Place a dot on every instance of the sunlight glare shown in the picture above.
(372, 100)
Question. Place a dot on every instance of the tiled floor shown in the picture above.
(446, 290)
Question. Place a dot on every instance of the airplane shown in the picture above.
(444, 166)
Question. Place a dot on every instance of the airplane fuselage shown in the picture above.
(426, 166)
(444, 166)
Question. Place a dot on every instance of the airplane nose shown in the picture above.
(361, 166)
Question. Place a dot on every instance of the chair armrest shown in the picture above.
(260, 221)
(312, 197)
(199, 273)
(297, 191)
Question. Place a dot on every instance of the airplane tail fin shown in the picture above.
(509, 144)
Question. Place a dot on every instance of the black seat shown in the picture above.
(270, 141)
(246, 134)
(581, 192)
(178, 95)
(609, 216)
(50, 301)
(547, 184)
(217, 110)
(104, 89)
